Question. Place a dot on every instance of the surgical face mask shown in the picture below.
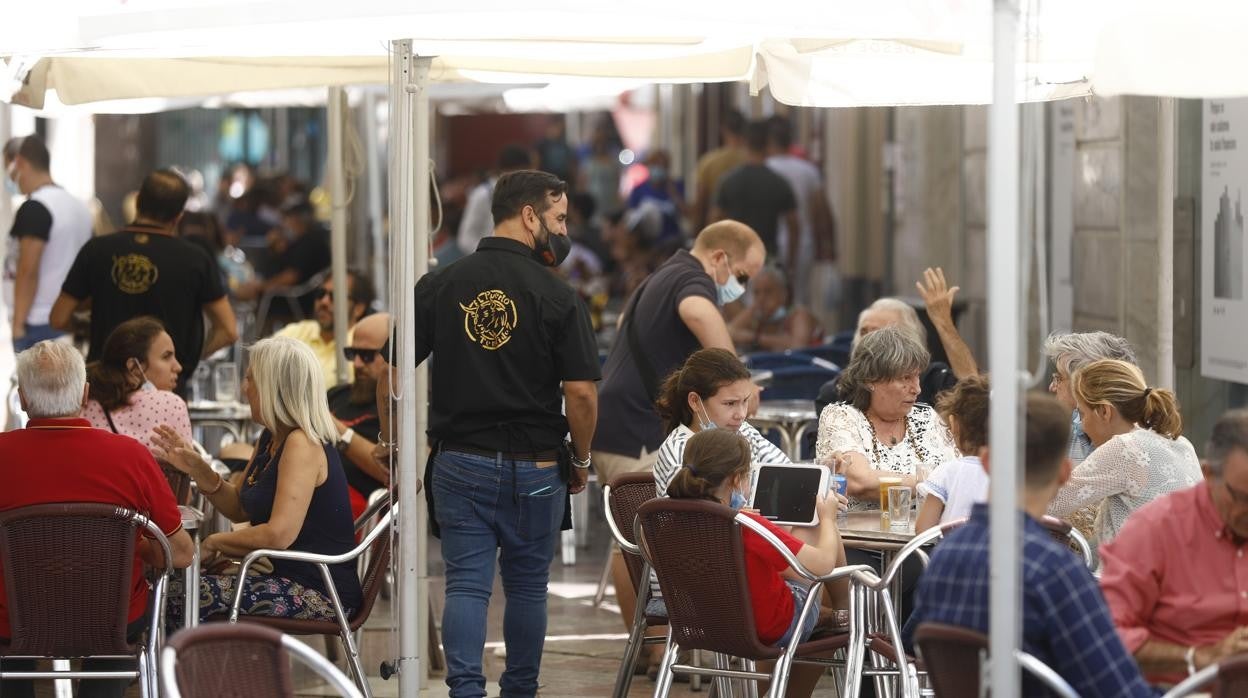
(553, 250)
(147, 384)
(730, 290)
(10, 181)
(781, 313)
(737, 500)
(704, 420)
(658, 173)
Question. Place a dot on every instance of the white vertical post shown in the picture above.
(415, 529)
(1165, 244)
(338, 225)
(409, 241)
(1004, 312)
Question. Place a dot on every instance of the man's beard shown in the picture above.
(363, 390)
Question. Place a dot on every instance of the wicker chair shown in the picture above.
(377, 546)
(695, 548)
(67, 575)
(1070, 536)
(620, 501)
(955, 658)
(258, 661)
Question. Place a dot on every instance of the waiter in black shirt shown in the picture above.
(506, 332)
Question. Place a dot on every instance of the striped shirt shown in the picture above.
(672, 452)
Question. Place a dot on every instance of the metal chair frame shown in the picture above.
(146, 669)
(637, 630)
(323, 562)
(907, 672)
(862, 578)
(322, 666)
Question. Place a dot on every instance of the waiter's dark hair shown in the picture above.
(162, 197)
(521, 188)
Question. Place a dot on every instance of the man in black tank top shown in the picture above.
(505, 333)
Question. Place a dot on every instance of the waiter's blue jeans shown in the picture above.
(492, 508)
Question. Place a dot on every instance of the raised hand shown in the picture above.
(172, 448)
(937, 294)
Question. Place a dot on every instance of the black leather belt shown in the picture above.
(538, 456)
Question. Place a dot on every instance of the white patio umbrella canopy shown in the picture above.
(833, 53)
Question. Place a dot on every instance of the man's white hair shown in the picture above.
(908, 315)
(52, 377)
(291, 388)
(1074, 350)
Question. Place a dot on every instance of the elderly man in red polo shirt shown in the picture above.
(58, 457)
(1176, 577)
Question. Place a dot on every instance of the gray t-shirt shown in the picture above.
(626, 416)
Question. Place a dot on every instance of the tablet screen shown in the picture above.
(787, 494)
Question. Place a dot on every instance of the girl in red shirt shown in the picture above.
(716, 464)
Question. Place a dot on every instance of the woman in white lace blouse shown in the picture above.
(879, 429)
(1139, 453)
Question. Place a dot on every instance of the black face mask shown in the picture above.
(553, 250)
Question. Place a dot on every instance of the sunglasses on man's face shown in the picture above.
(366, 355)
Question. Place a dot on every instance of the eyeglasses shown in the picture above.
(322, 293)
(366, 355)
(742, 277)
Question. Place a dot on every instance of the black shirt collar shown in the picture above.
(494, 242)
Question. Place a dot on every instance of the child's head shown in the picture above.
(712, 457)
(965, 409)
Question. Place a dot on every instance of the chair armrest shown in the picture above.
(791, 559)
(322, 561)
(627, 547)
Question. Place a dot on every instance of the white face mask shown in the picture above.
(147, 384)
(730, 290)
(10, 181)
(704, 420)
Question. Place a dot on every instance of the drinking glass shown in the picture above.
(899, 504)
(225, 377)
(885, 483)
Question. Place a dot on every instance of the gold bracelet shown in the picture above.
(220, 484)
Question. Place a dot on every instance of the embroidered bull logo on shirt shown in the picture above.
(134, 273)
(490, 319)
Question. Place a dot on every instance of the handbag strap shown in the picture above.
(111, 426)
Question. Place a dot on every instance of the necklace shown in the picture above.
(911, 428)
(253, 472)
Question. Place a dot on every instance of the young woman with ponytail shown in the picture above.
(1140, 453)
(711, 389)
(716, 465)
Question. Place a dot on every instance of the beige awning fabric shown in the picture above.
(812, 53)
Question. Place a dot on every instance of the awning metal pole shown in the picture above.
(1165, 244)
(338, 225)
(409, 221)
(1004, 312)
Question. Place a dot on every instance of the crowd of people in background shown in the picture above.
(666, 288)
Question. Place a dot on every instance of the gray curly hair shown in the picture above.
(886, 354)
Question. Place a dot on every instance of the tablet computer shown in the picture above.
(787, 494)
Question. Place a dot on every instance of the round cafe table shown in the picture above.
(870, 530)
(791, 418)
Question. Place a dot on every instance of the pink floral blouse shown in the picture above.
(147, 410)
